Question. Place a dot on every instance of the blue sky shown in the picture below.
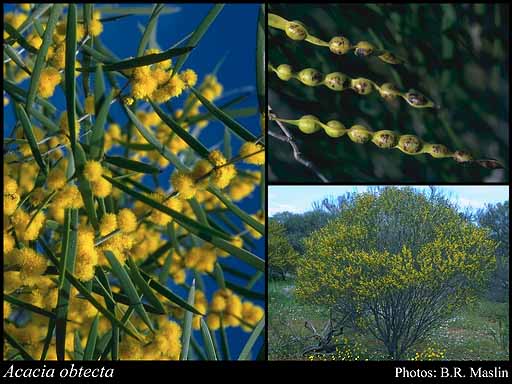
(298, 199)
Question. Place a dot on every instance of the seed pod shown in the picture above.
(364, 48)
(284, 72)
(390, 58)
(489, 163)
(384, 139)
(436, 150)
(337, 81)
(295, 30)
(388, 91)
(417, 100)
(359, 134)
(462, 156)
(309, 124)
(361, 85)
(339, 45)
(335, 129)
(409, 144)
(311, 77)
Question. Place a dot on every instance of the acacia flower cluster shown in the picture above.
(158, 82)
(99, 248)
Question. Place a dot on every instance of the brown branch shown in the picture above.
(288, 138)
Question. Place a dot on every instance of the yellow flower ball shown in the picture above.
(126, 220)
(31, 263)
(213, 321)
(251, 314)
(184, 184)
(95, 27)
(201, 169)
(10, 185)
(8, 243)
(58, 58)
(56, 179)
(101, 188)
(108, 224)
(189, 77)
(218, 303)
(161, 76)
(93, 170)
(114, 130)
(34, 40)
(253, 153)
(222, 177)
(49, 79)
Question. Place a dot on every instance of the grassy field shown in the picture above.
(466, 336)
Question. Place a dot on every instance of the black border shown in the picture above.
(338, 371)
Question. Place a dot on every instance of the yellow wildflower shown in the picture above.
(184, 184)
(256, 150)
(49, 79)
(189, 77)
(126, 220)
(108, 224)
(93, 170)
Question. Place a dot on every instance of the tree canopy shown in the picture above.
(395, 263)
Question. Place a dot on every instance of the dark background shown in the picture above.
(456, 54)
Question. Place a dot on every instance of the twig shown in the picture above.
(296, 151)
(278, 136)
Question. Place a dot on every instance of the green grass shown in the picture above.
(465, 336)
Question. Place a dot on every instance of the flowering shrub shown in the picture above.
(396, 263)
(101, 259)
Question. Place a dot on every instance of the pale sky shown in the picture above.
(298, 199)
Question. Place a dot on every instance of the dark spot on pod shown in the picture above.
(489, 163)
(310, 76)
(336, 81)
(362, 86)
(339, 45)
(295, 30)
(390, 58)
(362, 52)
(409, 144)
(416, 98)
(364, 48)
(359, 134)
(438, 150)
(462, 156)
(388, 91)
(384, 139)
